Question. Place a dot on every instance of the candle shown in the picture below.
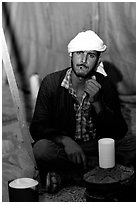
(34, 85)
(106, 148)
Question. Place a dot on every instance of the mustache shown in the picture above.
(82, 64)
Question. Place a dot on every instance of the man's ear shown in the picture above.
(70, 54)
(99, 61)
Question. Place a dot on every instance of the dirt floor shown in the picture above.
(15, 160)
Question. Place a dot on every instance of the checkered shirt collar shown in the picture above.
(67, 79)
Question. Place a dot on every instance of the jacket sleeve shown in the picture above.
(110, 122)
(42, 124)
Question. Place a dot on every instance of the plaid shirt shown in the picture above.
(84, 122)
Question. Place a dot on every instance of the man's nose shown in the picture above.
(84, 57)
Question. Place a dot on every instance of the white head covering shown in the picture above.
(85, 41)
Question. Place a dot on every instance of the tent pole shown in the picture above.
(16, 99)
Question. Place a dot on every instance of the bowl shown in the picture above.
(103, 181)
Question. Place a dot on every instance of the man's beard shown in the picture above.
(88, 75)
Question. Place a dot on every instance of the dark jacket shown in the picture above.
(54, 112)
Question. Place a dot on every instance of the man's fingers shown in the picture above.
(81, 159)
(78, 159)
(92, 82)
(91, 87)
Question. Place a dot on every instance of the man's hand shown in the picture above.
(92, 87)
(74, 151)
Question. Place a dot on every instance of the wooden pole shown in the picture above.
(16, 99)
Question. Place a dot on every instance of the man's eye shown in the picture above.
(79, 52)
(92, 55)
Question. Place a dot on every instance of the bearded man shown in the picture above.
(75, 107)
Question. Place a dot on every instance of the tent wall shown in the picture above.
(44, 29)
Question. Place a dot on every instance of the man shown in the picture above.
(75, 107)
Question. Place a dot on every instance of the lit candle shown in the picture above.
(106, 148)
(34, 85)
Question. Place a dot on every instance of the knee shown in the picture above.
(44, 149)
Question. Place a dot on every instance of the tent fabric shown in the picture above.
(120, 36)
(43, 31)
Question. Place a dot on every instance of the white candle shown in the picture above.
(106, 148)
(34, 85)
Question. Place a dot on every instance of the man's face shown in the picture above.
(84, 63)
